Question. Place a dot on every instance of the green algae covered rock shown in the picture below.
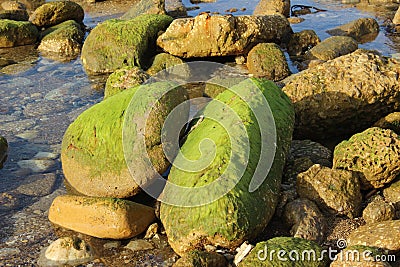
(374, 153)
(197, 258)
(239, 213)
(92, 149)
(124, 78)
(16, 33)
(267, 60)
(164, 61)
(64, 39)
(305, 253)
(115, 43)
(54, 13)
(3, 150)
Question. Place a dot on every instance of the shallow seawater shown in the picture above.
(40, 97)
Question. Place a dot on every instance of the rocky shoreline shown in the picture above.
(310, 197)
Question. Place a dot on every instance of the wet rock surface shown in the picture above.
(362, 30)
(17, 33)
(332, 47)
(232, 36)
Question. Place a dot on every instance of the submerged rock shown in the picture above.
(70, 251)
(344, 96)
(54, 13)
(301, 42)
(240, 214)
(268, 61)
(16, 33)
(362, 30)
(334, 191)
(64, 39)
(332, 47)
(220, 35)
(114, 43)
(374, 154)
(145, 7)
(270, 7)
(3, 150)
(265, 254)
(383, 235)
(92, 153)
(101, 217)
(123, 79)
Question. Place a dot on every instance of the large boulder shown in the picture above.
(332, 47)
(145, 7)
(3, 150)
(64, 39)
(334, 191)
(268, 61)
(54, 13)
(16, 33)
(270, 7)
(92, 149)
(345, 95)
(241, 213)
(362, 30)
(378, 211)
(101, 217)
(114, 43)
(220, 35)
(296, 252)
(374, 154)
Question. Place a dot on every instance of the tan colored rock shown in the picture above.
(384, 235)
(13, 5)
(362, 29)
(359, 256)
(101, 217)
(53, 13)
(145, 7)
(374, 154)
(335, 191)
(333, 47)
(396, 19)
(391, 121)
(270, 7)
(345, 95)
(305, 219)
(378, 211)
(70, 251)
(221, 35)
(392, 193)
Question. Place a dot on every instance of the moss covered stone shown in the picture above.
(115, 43)
(92, 150)
(16, 33)
(64, 39)
(197, 258)
(3, 150)
(238, 215)
(54, 13)
(304, 253)
(267, 60)
(164, 61)
(124, 78)
(374, 153)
